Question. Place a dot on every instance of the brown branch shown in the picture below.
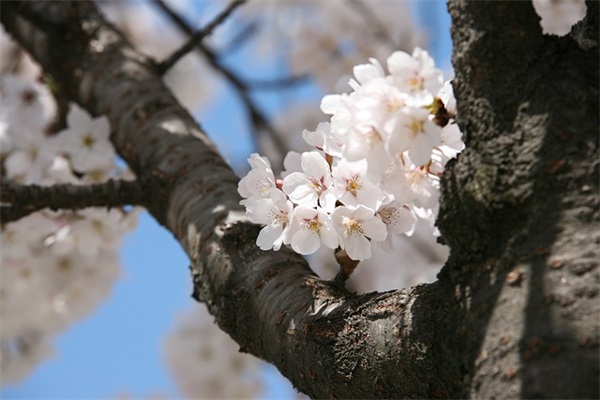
(278, 83)
(259, 121)
(197, 37)
(240, 38)
(271, 303)
(26, 199)
(372, 21)
(471, 334)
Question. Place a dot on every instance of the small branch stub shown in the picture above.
(347, 265)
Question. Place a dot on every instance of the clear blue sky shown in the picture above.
(118, 349)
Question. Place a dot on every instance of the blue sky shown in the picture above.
(118, 349)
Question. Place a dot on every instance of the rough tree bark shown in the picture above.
(515, 310)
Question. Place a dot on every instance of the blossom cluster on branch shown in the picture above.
(373, 171)
(375, 168)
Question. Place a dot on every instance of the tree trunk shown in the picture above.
(520, 208)
(514, 312)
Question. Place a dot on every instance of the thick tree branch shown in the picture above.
(522, 199)
(526, 103)
(198, 36)
(327, 341)
(26, 199)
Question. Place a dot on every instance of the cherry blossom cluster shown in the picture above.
(206, 363)
(327, 38)
(56, 267)
(375, 167)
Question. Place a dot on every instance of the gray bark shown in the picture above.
(514, 312)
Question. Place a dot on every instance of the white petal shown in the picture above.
(279, 199)
(101, 129)
(314, 165)
(292, 181)
(258, 161)
(420, 150)
(375, 229)
(259, 211)
(305, 213)
(77, 116)
(363, 213)
(367, 72)
(269, 236)
(327, 232)
(315, 139)
(306, 241)
(358, 247)
(331, 103)
(327, 200)
(399, 62)
(291, 163)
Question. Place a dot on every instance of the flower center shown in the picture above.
(264, 186)
(314, 225)
(416, 127)
(393, 105)
(352, 226)
(88, 141)
(353, 185)
(416, 82)
(278, 217)
(316, 185)
(373, 137)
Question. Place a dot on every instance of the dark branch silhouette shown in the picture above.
(259, 121)
(197, 37)
(23, 200)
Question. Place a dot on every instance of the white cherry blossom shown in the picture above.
(398, 219)
(21, 103)
(259, 180)
(450, 142)
(311, 187)
(324, 139)
(291, 163)
(86, 141)
(355, 226)
(206, 363)
(352, 187)
(417, 134)
(30, 157)
(416, 75)
(367, 72)
(310, 227)
(275, 212)
(446, 94)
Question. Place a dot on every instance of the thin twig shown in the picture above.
(240, 38)
(197, 37)
(259, 121)
(347, 265)
(278, 83)
(21, 200)
(372, 21)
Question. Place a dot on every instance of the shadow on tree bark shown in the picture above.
(528, 105)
